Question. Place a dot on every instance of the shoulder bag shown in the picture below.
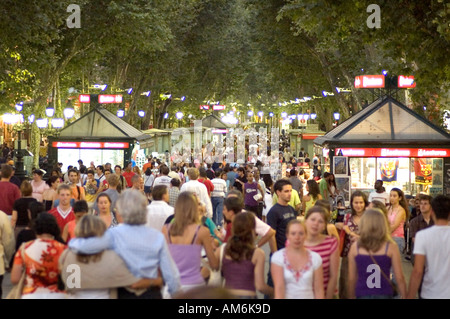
(215, 277)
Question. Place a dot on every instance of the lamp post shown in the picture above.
(17, 121)
(336, 116)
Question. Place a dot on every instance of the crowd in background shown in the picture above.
(173, 230)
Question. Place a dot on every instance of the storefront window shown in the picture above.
(412, 175)
(99, 157)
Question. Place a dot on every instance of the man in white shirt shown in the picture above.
(159, 209)
(262, 229)
(379, 193)
(100, 174)
(163, 179)
(217, 197)
(432, 255)
(198, 188)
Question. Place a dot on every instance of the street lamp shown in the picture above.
(57, 123)
(337, 116)
(69, 113)
(120, 113)
(42, 123)
(179, 116)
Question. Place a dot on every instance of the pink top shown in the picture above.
(398, 232)
(38, 190)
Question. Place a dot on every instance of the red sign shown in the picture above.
(93, 145)
(219, 131)
(393, 152)
(107, 98)
(369, 81)
(218, 107)
(406, 82)
(84, 98)
(204, 107)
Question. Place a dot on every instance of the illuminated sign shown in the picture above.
(220, 131)
(393, 152)
(93, 145)
(218, 107)
(369, 81)
(204, 107)
(406, 82)
(107, 98)
(84, 98)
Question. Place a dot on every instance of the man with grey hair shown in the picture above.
(143, 249)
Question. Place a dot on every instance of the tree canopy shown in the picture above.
(260, 55)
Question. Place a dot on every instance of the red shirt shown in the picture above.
(209, 185)
(9, 193)
(62, 219)
(128, 176)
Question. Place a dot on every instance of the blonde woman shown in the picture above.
(186, 238)
(313, 195)
(296, 271)
(370, 259)
(326, 246)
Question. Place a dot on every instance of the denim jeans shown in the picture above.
(217, 206)
(400, 241)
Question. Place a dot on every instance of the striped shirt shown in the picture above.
(325, 249)
(220, 187)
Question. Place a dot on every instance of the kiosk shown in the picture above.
(98, 136)
(386, 140)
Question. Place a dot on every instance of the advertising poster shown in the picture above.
(343, 187)
(438, 178)
(423, 170)
(388, 169)
(340, 165)
(447, 179)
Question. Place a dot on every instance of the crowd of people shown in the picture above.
(167, 231)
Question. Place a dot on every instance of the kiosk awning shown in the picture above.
(99, 124)
(385, 122)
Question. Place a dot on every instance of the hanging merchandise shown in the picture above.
(388, 169)
(423, 170)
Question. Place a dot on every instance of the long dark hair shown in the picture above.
(358, 194)
(313, 187)
(241, 244)
(402, 200)
(45, 223)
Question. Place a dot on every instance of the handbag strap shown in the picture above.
(382, 272)
(222, 249)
